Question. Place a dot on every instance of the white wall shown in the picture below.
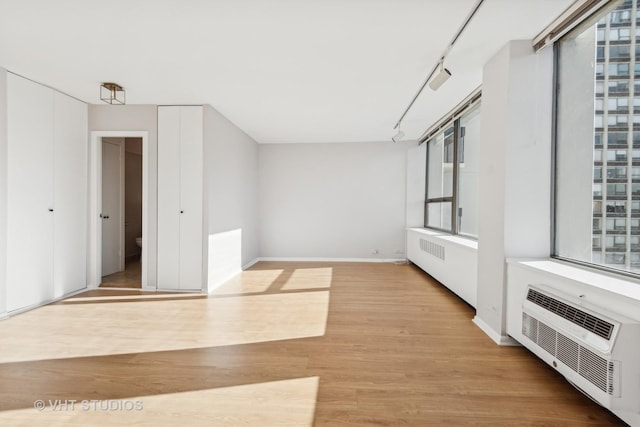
(231, 187)
(515, 170)
(332, 200)
(135, 118)
(416, 184)
(3, 192)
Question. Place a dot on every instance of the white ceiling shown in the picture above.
(282, 70)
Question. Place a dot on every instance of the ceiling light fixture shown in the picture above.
(112, 93)
(444, 74)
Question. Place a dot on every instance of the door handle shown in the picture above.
(104, 216)
(181, 211)
(50, 210)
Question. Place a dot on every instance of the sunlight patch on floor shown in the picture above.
(277, 403)
(248, 282)
(309, 278)
(94, 329)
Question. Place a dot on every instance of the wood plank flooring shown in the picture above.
(283, 344)
(130, 277)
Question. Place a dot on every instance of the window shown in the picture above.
(614, 87)
(620, 17)
(619, 52)
(615, 104)
(452, 175)
(616, 138)
(620, 69)
(615, 206)
(439, 183)
(597, 142)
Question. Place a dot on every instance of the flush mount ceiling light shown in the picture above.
(439, 79)
(112, 93)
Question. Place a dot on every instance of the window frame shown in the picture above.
(454, 190)
(455, 121)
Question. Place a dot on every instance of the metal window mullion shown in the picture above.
(454, 189)
(426, 187)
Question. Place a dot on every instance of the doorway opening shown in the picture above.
(121, 212)
(120, 228)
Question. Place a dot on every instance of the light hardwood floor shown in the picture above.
(130, 277)
(283, 344)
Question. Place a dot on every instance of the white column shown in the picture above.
(515, 171)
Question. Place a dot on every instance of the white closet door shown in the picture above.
(168, 197)
(191, 193)
(70, 195)
(29, 193)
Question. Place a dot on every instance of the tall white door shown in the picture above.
(168, 198)
(30, 208)
(112, 206)
(180, 197)
(70, 195)
(191, 195)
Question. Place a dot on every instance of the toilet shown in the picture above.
(139, 242)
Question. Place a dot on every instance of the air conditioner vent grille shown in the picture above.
(432, 248)
(591, 323)
(595, 369)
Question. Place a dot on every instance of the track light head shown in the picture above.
(398, 136)
(439, 79)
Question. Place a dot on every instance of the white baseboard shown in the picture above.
(4, 316)
(42, 304)
(320, 259)
(505, 340)
(251, 263)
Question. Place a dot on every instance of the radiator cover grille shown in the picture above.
(592, 367)
(591, 323)
(432, 248)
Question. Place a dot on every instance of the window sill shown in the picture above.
(625, 286)
(454, 239)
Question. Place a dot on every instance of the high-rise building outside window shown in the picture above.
(597, 141)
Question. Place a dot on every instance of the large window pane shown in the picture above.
(439, 215)
(440, 167)
(597, 206)
(468, 172)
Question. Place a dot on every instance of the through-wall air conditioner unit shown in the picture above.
(596, 350)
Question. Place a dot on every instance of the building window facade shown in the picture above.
(597, 148)
(451, 202)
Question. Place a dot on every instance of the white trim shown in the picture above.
(505, 340)
(95, 197)
(251, 264)
(371, 260)
(42, 304)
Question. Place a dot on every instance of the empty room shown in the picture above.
(320, 213)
